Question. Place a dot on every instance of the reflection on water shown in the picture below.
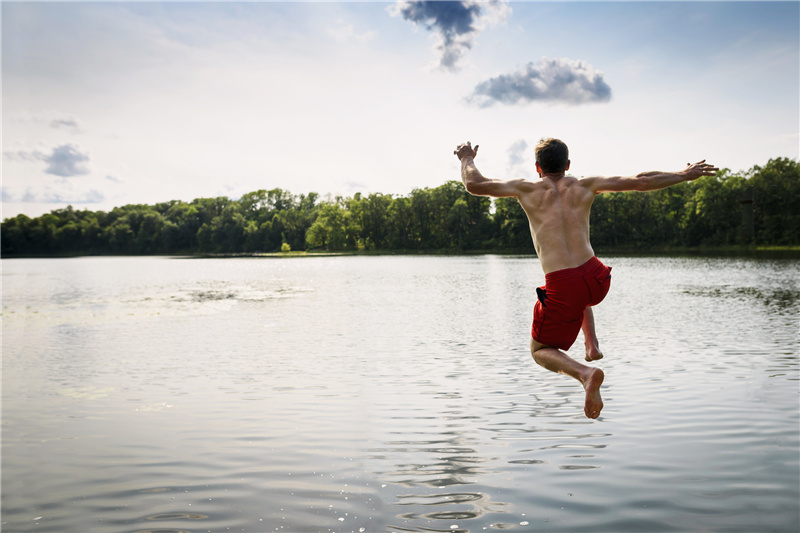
(393, 394)
(779, 298)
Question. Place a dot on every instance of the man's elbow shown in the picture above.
(473, 188)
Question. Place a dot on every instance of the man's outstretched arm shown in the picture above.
(650, 181)
(476, 183)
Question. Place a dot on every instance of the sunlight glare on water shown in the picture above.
(393, 394)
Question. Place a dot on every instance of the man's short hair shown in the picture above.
(552, 155)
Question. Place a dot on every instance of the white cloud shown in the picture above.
(66, 161)
(559, 80)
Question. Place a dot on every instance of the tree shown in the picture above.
(511, 228)
(181, 226)
(400, 225)
(148, 238)
(331, 230)
(371, 215)
(228, 230)
(120, 236)
(776, 201)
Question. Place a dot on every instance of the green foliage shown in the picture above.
(332, 230)
(760, 206)
(511, 225)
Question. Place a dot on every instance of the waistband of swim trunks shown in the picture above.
(587, 268)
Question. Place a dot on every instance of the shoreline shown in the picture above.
(763, 252)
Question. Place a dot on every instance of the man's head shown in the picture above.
(552, 156)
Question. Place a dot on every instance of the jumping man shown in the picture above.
(558, 209)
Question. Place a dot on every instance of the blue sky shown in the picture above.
(111, 103)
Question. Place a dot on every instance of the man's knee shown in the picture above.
(536, 348)
(536, 345)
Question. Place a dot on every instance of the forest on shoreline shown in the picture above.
(760, 206)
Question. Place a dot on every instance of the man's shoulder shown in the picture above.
(587, 183)
(580, 181)
(521, 186)
(525, 184)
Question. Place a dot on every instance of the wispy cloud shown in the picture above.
(456, 24)
(355, 186)
(518, 164)
(5, 194)
(66, 160)
(54, 119)
(23, 155)
(50, 196)
(68, 123)
(344, 32)
(553, 80)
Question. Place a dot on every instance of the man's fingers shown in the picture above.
(705, 169)
(461, 149)
(703, 165)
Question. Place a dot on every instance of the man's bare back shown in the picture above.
(558, 208)
(558, 212)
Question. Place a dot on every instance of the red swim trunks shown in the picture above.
(558, 315)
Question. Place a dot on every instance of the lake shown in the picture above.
(391, 394)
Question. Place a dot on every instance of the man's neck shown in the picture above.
(555, 176)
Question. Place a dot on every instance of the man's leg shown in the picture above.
(593, 352)
(555, 360)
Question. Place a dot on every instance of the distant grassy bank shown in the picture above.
(788, 252)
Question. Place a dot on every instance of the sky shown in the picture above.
(113, 103)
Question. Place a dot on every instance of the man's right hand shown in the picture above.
(696, 170)
(463, 150)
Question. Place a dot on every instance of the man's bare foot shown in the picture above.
(594, 403)
(593, 353)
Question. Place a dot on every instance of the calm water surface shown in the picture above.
(389, 394)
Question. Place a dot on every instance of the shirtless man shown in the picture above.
(558, 209)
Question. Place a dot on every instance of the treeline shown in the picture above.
(759, 206)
